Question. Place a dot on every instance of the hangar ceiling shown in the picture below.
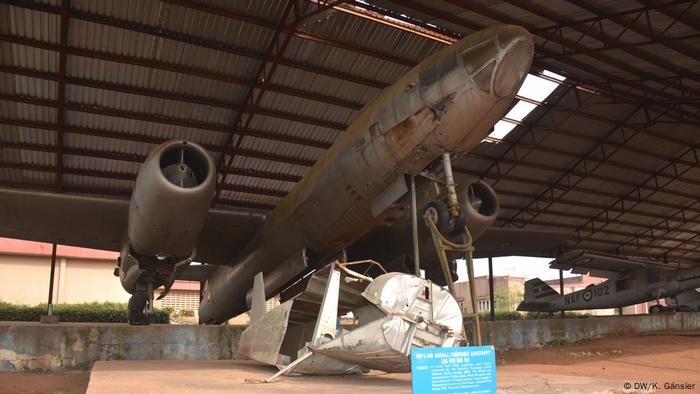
(88, 88)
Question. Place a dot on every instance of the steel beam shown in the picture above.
(503, 18)
(138, 158)
(130, 176)
(52, 274)
(159, 31)
(600, 36)
(275, 51)
(657, 231)
(61, 93)
(155, 93)
(561, 289)
(125, 194)
(648, 31)
(210, 9)
(575, 174)
(176, 68)
(492, 297)
(186, 123)
(655, 204)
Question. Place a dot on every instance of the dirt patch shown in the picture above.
(662, 357)
(71, 382)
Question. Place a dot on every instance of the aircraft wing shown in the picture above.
(500, 241)
(101, 223)
(601, 265)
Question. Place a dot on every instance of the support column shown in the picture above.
(49, 310)
(561, 289)
(49, 317)
(492, 298)
(472, 294)
(414, 225)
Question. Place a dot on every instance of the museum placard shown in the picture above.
(453, 370)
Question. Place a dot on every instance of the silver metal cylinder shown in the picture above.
(452, 202)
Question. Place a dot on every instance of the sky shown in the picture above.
(533, 88)
(524, 267)
(537, 89)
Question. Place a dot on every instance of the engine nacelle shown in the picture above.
(480, 205)
(170, 201)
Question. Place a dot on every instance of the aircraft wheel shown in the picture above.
(137, 315)
(438, 211)
(655, 309)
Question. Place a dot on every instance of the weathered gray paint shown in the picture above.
(33, 346)
(641, 285)
(448, 102)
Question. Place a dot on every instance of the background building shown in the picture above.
(508, 292)
(82, 275)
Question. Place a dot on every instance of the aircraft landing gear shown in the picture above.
(139, 309)
(439, 213)
(655, 309)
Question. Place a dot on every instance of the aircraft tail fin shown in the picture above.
(257, 301)
(538, 295)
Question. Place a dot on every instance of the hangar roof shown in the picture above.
(87, 88)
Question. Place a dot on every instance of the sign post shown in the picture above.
(453, 370)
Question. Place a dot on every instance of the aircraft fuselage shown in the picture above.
(630, 288)
(448, 102)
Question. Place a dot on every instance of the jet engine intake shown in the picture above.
(169, 205)
(480, 204)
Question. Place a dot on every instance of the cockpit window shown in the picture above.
(483, 77)
(476, 58)
(441, 68)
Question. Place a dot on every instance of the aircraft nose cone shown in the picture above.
(516, 47)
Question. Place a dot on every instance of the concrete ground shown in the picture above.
(248, 377)
(597, 366)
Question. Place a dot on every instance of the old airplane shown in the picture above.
(447, 103)
(630, 281)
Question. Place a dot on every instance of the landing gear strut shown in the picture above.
(138, 304)
(140, 307)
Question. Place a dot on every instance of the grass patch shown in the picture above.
(91, 312)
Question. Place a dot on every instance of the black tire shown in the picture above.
(438, 210)
(655, 309)
(444, 222)
(136, 311)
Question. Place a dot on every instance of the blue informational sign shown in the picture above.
(453, 370)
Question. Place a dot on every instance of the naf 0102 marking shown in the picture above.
(587, 295)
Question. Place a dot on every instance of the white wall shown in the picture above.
(25, 280)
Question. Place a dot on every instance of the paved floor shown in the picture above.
(248, 377)
(597, 366)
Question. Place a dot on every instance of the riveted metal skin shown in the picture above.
(448, 102)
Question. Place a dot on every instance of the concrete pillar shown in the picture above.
(561, 288)
(492, 297)
(50, 317)
(52, 276)
(60, 292)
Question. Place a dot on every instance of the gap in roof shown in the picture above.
(534, 88)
